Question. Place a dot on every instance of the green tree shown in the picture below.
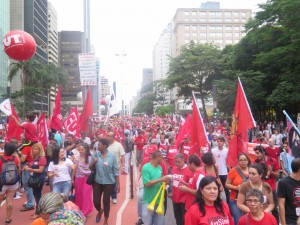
(193, 70)
(164, 110)
(145, 105)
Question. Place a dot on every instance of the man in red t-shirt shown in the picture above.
(185, 147)
(272, 174)
(190, 188)
(30, 132)
(140, 141)
(272, 150)
(179, 172)
(171, 153)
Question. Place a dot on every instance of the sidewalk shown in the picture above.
(122, 213)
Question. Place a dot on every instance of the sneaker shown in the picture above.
(139, 222)
(17, 197)
(19, 193)
(114, 201)
(22, 190)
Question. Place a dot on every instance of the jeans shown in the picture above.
(235, 211)
(62, 187)
(37, 193)
(223, 179)
(29, 192)
(140, 202)
(114, 192)
(151, 217)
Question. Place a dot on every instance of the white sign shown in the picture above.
(87, 68)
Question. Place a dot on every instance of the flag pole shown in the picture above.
(294, 125)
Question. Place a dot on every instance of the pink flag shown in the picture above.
(42, 130)
(71, 123)
(56, 119)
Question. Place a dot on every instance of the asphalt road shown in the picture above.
(169, 218)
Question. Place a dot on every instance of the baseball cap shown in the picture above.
(126, 132)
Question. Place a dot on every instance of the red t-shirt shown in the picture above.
(8, 158)
(194, 217)
(140, 142)
(162, 165)
(273, 152)
(27, 151)
(178, 175)
(272, 180)
(172, 152)
(41, 162)
(193, 182)
(149, 148)
(185, 150)
(268, 219)
(30, 132)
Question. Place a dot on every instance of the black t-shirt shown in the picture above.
(289, 189)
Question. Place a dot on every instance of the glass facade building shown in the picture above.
(4, 29)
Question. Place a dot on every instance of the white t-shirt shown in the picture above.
(220, 157)
(62, 170)
(117, 149)
(87, 140)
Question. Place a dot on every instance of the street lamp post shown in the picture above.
(121, 58)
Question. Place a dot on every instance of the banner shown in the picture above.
(5, 107)
(87, 68)
(56, 118)
(71, 123)
(42, 130)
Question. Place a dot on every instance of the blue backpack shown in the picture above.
(9, 174)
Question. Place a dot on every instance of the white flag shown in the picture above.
(113, 106)
(5, 107)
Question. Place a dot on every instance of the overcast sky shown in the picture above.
(131, 27)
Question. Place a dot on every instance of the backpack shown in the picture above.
(9, 174)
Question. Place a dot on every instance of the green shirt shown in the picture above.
(151, 173)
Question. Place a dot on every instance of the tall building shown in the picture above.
(32, 17)
(208, 24)
(52, 47)
(4, 29)
(161, 60)
(105, 87)
(70, 45)
(147, 78)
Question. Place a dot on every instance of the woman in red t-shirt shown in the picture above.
(208, 207)
(36, 168)
(9, 190)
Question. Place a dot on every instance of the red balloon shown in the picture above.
(102, 101)
(19, 45)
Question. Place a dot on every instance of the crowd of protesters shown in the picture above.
(85, 169)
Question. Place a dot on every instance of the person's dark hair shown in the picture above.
(78, 141)
(200, 199)
(179, 156)
(261, 168)
(104, 142)
(194, 159)
(255, 193)
(244, 154)
(70, 135)
(87, 151)
(295, 165)
(208, 158)
(51, 136)
(283, 139)
(55, 155)
(221, 138)
(9, 149)
(260, 149)
(156, 154)
(171, 139)
(30, 117)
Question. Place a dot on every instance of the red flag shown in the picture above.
(42, 130)
(13, 130)
(242, 121)
(72, 122)
(185, 129)
(158, 120)
(86, 112)
(56, 118)
(199, 138)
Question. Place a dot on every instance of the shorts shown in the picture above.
(6, 188)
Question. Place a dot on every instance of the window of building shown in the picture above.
(186, 34)
(243, 14)
(187, 41)
(244, 20)
(228, 34)
(228, 41)
(218, 20)
(203, 41)
(228, 20)
(237, 35)
(194, 20)
(218, 34)
(236, 41)
(212, 34)
(212, 20)
(236, 28)
(219, 41)
(202, 13)
(186, 27)
(202, 34)
(212, 27)
(202, 20)
(201, 27)
(228, 28)
(194, 27)
(194, 34)
(219, 28)
(235, 14)
(228, 14)
(186, 13)
(194, 13)
(212, 13)
(236, 20)
(186, 19)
